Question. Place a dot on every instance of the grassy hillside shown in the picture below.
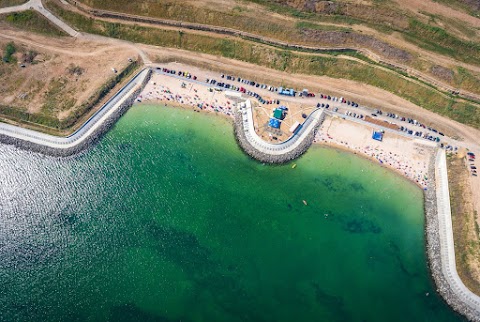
(275, 58)
(307, 27)
(31, 21)
(383, 16)
(9, 3)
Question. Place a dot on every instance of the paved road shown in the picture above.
(38, 6)
(86, 130)
(19, 8)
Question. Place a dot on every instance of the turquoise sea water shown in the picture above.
(166, 220)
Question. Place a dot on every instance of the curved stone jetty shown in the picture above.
(90, 131)
(266, 152)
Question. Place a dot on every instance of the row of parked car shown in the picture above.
(323, 105)
(473, 167)
(187, 75)
(412, 121)
(339, 99)
(250, 82)
(241, 89)
(300, 93)
(355, 115)
(427, 136)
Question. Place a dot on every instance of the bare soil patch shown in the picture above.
(336, 38)
(436, 8)
(62, 74)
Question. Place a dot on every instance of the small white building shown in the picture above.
(233, 95)
(295, 127)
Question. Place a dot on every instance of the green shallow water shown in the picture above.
(166, 220)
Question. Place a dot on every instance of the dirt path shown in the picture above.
(436, 8)
(69, 46)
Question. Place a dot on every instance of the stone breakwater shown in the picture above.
(254, 153)
(443, 279)
(100, 127)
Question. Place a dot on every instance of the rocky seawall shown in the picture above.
(93, 137)
(255, 154)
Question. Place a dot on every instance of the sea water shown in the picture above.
(165, 219)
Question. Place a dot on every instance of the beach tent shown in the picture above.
(274, 123)
(377, 136)
(278, 114)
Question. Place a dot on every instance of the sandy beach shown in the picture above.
(409, 157)
(178, 92)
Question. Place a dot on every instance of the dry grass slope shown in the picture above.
(466, 231)
(284, 60)
(10, 3)
(31, 21)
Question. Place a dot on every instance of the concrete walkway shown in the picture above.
(38, 6)
(447, 250)
(82, 134)
(22, 7)
(282, 148)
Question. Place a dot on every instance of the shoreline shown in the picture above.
(439, 264)
(322, 144)
(369, 158)
(434, 242)
(184, 107)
